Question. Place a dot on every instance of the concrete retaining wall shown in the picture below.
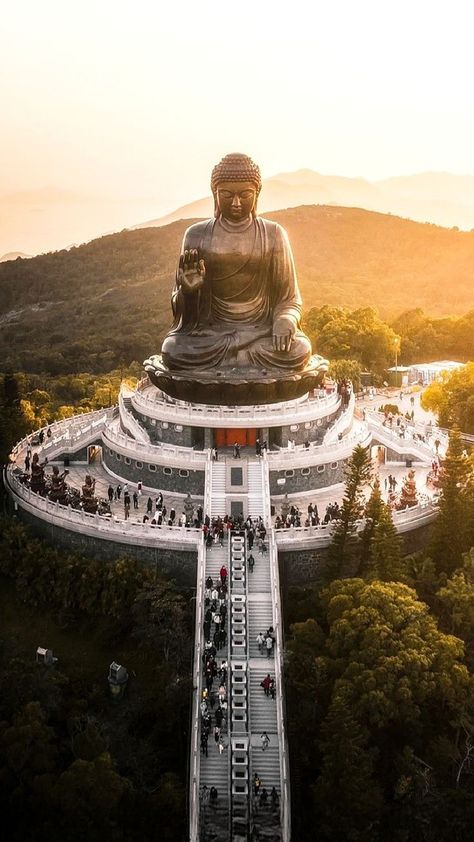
(164, 478)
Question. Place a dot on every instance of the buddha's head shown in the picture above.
(236, 183)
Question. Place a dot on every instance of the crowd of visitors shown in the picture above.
(261, 796)
(265, 642)
(215, 530)
(293, 516)
(214, 695)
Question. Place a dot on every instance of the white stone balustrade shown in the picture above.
(134, 426)
(147, 400)
(390, 437)
(68, 435)
(160, 454)
(285, 807)
(319, 454)
(306, 537)
(76, 520)
(342, 424)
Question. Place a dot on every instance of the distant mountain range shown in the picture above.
(13, 255)
(106, 303)
(441, 198)
(38, 221)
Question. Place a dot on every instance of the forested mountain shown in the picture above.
(106, 303)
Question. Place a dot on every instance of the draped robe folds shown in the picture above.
(250, 281)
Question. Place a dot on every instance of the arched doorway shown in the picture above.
(378, 453)
(94, 454)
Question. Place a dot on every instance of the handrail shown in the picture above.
(194, 764)
(179, 456)
(317, 454)
(79, 520)
(466, 437)
(340, 425)
(249, 706)
(208, 485)
(424, 512)
(407, 443)
(266, 489)
(285, 812)
(228, 688)
(67, 433)
(128, 418)
(301, 409)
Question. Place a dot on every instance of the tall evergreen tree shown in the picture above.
(380, 547)
(453, 528)
(343, 548)
(373, 511)
(385, 555)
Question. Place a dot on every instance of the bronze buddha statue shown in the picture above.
(236, 333)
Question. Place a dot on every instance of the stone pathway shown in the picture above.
(335, 494)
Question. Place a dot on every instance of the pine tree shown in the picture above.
(452, 531)
(385, 554)
(343, 547)
(373, 512)
(380, 546)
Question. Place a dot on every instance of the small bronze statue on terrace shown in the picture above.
(58, 487)
(88, 500)
(37, 481)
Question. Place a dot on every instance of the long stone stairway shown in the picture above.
(264, 761)
(218, 501)
(240, 813)
(255, 489)
(214, 769)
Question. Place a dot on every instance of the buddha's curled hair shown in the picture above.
(236, 167)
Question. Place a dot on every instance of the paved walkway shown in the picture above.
(335, 494)
(404, 404)
(77, 474)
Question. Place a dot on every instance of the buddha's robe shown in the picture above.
(250, 281)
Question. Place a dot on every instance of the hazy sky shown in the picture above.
(140, 99)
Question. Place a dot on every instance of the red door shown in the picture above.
(228, 437)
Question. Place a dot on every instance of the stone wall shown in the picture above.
(299, 567)
(306, 479)
(166, 431)
(78, 455)
(393, 455)
(163, 478)
(312, 431)
(180, 564)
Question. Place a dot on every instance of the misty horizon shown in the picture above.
(53, 217)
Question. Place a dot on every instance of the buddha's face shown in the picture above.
(236, 199)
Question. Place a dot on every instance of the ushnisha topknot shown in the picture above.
(236, 167)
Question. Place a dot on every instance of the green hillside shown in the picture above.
(105, 303)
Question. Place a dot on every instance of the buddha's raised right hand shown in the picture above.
(191, 271)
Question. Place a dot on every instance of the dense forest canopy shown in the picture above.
(379, 670)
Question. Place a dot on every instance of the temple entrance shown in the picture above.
(94, 454)
(228, 437)
(197, 438)
(378, 453)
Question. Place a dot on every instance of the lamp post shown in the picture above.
(397, 348)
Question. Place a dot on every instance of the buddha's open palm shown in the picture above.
(191, 271)
(283, 332)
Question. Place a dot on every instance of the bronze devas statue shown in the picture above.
(236, 336)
